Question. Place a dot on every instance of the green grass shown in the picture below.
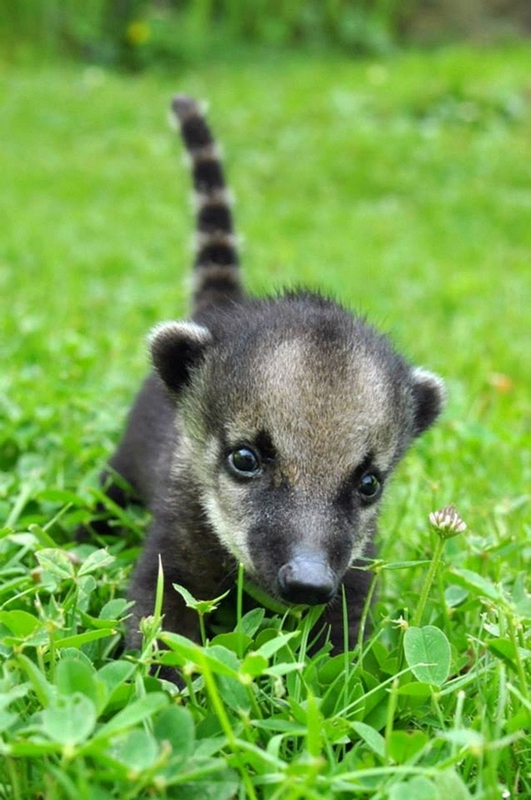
(401, 186)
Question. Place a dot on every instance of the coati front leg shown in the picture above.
(179, 540)
(143, 587)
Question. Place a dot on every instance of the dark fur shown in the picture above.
(319, 395)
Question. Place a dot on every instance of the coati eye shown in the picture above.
(244, 462)
(369, 486)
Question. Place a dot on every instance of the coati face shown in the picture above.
(294, 414)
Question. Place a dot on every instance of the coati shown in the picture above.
(265, 434)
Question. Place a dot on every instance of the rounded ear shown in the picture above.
(430, 397)
(175, 348)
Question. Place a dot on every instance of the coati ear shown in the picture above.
(429, 395)
(175, 348)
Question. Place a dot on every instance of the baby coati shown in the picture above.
(265, 434)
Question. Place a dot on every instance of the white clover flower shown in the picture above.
(447, 522)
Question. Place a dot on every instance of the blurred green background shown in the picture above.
(135, 34)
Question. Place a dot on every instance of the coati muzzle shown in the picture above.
(307, 579)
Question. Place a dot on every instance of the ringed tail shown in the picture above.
(216, 266)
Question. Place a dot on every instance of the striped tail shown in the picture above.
(216, 267)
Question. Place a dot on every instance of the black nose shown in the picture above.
(306, 579)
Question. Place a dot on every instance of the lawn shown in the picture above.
(402, 186)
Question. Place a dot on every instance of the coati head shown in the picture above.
(293, 415)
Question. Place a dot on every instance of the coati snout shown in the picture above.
(266, 433)
(307, 578)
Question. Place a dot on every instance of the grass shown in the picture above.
(401, 186)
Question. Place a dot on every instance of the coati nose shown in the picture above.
(306, 579)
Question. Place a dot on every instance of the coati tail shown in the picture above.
(216, 268)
